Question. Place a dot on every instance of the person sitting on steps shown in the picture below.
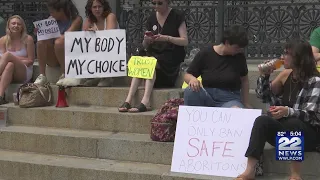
(297, 109)
(165, 39)
(17, 53)
(224, 72)
(51, 52)
(99, 17)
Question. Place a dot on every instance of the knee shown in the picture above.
(9, 66)
(261, 121)
(43, 43)
(59, 43)
(7, 55)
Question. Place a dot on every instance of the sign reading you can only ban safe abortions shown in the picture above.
(95, 54)
(212, 141)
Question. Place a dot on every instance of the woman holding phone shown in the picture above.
(165, 39)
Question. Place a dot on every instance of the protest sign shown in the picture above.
(95, 54)
(212, 141)
(47, 29)
(142, 67)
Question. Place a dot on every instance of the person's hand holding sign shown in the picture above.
(195, 84)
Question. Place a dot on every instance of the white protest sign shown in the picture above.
(212, 141)
(47, 29)
(95, 54)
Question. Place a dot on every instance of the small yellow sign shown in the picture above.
(185, 85)
(142, 67)
(318, 67)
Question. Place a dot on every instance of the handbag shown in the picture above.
(33, 95)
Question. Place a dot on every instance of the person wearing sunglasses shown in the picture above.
(165, 39)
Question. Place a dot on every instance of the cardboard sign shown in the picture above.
(142, 67)
(47, 29)
(185, 85)
(95, 54)
(212, 141)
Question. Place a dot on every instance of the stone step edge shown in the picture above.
(98, 165)
(30, 164)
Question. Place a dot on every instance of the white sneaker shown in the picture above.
(59, 83)
(41, 80)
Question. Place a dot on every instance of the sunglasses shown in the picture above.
(157, 3)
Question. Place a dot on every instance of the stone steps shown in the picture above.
(30, 166)
(91, 144)
(116, 146)
(81, 118)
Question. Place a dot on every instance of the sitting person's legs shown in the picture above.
(227, 98)
(46, 56)
(11, 69)
(265, 129)
(200, 98)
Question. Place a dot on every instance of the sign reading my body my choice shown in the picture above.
(47, 29)
(95, 54)
(212, 141)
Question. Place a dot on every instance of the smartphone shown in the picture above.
(149, 33)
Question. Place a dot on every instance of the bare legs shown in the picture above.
(52, 54)
(11, 68)
(133, 89)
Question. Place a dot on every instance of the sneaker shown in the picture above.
(105, 82)
(59, 83)
(70, 82)
(41, 80)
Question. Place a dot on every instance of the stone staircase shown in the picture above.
(91, 140)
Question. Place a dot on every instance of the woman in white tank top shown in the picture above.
(17, 55)
(99, 17)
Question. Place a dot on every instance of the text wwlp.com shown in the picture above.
(290, 159)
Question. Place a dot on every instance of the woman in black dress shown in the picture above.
(164, 39)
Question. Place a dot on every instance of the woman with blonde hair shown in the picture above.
(17, 53)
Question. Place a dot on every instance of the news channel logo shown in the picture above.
(290, 146)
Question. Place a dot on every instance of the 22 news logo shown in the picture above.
(290, 146)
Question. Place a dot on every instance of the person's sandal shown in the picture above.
(241, 177)
(140, 108)
(124, 107)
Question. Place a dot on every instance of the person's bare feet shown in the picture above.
(245, 177)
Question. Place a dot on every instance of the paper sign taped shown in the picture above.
(142, 67)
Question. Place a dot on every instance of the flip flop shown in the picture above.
(241, 177)
(124, 107)
(140, 108)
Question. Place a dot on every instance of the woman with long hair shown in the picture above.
(51, 52)
(165, 39)
(99, 17)
(294, 96)
(17, 53)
